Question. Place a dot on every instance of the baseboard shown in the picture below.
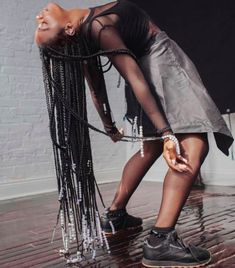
(27, 187)
(108, 175)
(157, 177)
(218, 178)
(22, 188)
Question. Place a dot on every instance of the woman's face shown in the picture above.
(50, 23)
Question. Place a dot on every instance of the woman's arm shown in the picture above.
(108, 38)
(96, 83)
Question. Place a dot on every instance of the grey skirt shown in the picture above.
(177, 87)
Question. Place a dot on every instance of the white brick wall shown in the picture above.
(26, 160)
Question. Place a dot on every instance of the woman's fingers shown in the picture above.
(170, 159)
(177, 166)
(174, 161)
(117, 136)
(181, 158)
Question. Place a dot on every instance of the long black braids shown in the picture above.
(64, 82)
(78, 213)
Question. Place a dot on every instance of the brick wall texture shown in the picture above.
(26, 151)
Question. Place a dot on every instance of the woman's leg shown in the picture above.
(134, 171)
(163, 248)
(177, 186)
(116, 218)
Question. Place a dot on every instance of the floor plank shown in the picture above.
(207, 219)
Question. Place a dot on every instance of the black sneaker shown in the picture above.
(172, 252)
(119, 220)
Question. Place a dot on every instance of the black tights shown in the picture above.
(176, 187)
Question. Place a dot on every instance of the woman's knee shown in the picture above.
(195, 148)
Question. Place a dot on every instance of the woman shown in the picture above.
(175, 106)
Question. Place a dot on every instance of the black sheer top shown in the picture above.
(131, 22)
(122, 25)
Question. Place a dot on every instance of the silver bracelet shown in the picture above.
(175, 140)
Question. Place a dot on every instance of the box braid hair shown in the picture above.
(64, 82)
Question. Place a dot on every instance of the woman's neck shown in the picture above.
(77, 16)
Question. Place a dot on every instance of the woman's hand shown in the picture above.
(174, 161)
(117, 136)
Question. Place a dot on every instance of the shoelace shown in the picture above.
(115, 213)
(176, 238)
(180, 241)
(189, 248)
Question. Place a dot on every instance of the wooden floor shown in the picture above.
(208, 220)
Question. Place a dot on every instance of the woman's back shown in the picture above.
(124, 17)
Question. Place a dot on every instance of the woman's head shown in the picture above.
(56, 24)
